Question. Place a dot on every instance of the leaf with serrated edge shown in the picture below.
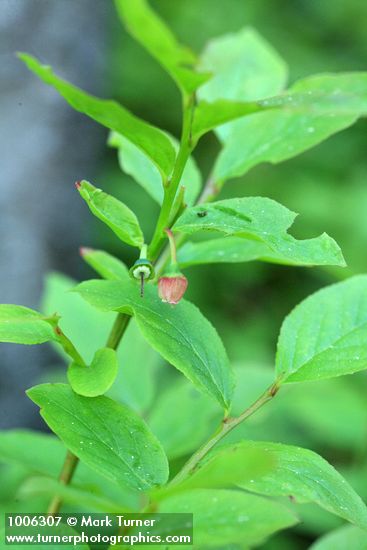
(265, 221)
(109, 437)
(181, 334)
(325, 335)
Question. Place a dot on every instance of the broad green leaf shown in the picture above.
(208, 116)
(110, 438)
(71, 494)
(330, 94)
(89, 329)
(133, 162)
(113, 213)
(152, 33)
(313, 109)
(183, 429)
(226, 467)
(21, 325)
(106, 265)
(232, 465)
(238, 250)
(86, 327)
(262, 220)
(224, 517)
(325, 335)
(98, 377)
(43, 454)
(138, 360)
(346, 537)
(245, 67)
(329, 413)
(152, 141)
(181, 334)
(307, 477)
(38, 452)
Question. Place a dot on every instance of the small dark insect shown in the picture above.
(202, 213)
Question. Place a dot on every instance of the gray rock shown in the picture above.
(45, 147)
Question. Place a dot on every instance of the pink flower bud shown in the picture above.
(171, 288)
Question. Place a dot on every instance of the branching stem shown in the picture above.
(226, 426)
(122, 320)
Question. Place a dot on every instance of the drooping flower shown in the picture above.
(172, 287)
(173, 284)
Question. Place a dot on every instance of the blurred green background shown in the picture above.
(327, 186)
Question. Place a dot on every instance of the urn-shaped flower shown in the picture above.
(172, 287)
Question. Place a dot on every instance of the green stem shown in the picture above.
(173, 183)
(228, 424)
(118, 330)
(209, 193)
(67, 472)
(71, 461)
(172, 246)
(122, 319)
(69, 347)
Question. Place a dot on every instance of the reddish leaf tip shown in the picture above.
(84, 250)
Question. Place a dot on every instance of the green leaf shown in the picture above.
(245, 67)
(153, 34)
(43, 454)
(106, 265)
(133, 162)
(265, 221)
(37, 452)
(152, 141)
(307, 477)
(238, 250)
(227, 466)
(224, 517)
(113, 213)
(89, 329)
(328, 94)
(183, 429)
(231, 465)
(325, 335)
(208, 116)
(96, 379)
(313, 109)
(345, 537)
(21, 325)
(107, 436)
(181, 334)
(86, 327)
(331, 412)
(136, 356)
(75, 495)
